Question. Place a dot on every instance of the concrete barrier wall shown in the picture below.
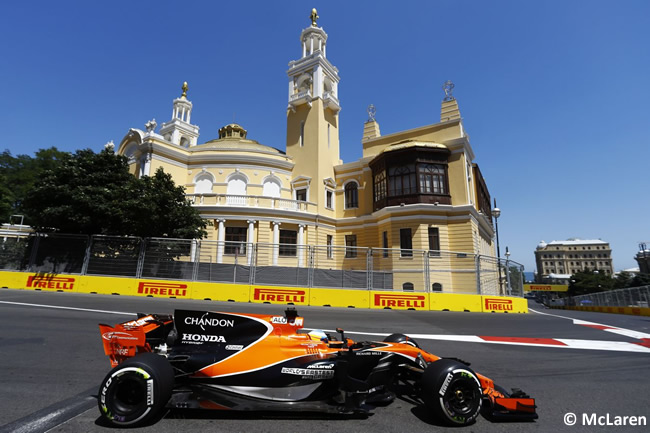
(633, 311)
(373, 299)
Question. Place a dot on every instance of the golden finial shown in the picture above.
(314, 16)
(184, 89)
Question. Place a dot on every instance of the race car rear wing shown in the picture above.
(127, 339)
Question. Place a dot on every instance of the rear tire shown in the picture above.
(452, 392)
(136, 392)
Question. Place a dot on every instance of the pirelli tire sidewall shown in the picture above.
(452, 392)
(136, 392)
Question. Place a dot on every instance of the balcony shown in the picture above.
(253, 201)
(300, 98)
(330, 101)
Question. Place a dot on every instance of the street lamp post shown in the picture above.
(496, 212)
(508, 286)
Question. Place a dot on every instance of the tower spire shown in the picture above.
(179, 130)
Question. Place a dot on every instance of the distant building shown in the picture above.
(643, 258)
(556, 261)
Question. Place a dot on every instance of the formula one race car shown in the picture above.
(253, 362)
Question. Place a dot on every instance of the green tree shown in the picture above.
(623, 280)
(585, 282)
(94, 193)
(640, 280)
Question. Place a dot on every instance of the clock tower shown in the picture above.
(313, 117)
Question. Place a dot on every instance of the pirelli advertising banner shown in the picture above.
(50, 282)
(263, 294)
(546, 287)
(279, 295)
(502, 304)
(399, 300)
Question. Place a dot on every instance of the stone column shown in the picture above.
(221, 239)
(276, 242)
(299, 247)
(250, 241)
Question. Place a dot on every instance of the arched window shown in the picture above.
(407, 287)
(271, 187)
(184, 142)
(436, 287)
(432, 179)
(401, 180)
(236, 190)
(351, 195)
(203, 183)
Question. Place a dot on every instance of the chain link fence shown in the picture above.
(263, 264)
(632, 297)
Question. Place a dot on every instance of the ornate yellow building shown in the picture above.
(417, 189)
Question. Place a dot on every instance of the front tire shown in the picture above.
(452, 392)
(135, 392)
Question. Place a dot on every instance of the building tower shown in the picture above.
(312, 118)
(179, 130)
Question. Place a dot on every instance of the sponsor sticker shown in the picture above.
(206, 321)
(139, 322)
(281, 320)
(309, 374)
(116, 334)
(234, 347)
(202, 338)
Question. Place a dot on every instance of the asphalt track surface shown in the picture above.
(51, 364)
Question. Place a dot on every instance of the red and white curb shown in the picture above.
(643, 346)
(559, 343)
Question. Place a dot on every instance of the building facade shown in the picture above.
(418, 189)
(643, 258)
(558, 260)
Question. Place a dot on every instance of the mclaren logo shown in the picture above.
(279, 295)
(405, 301)
(48, 282)
(498, 304)
(162, 289)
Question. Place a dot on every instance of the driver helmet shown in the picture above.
(318, 335)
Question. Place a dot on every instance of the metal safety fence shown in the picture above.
(631, 297)
(264, 264)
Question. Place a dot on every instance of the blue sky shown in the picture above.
(554, 95)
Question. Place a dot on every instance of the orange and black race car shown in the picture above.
(253, 362)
